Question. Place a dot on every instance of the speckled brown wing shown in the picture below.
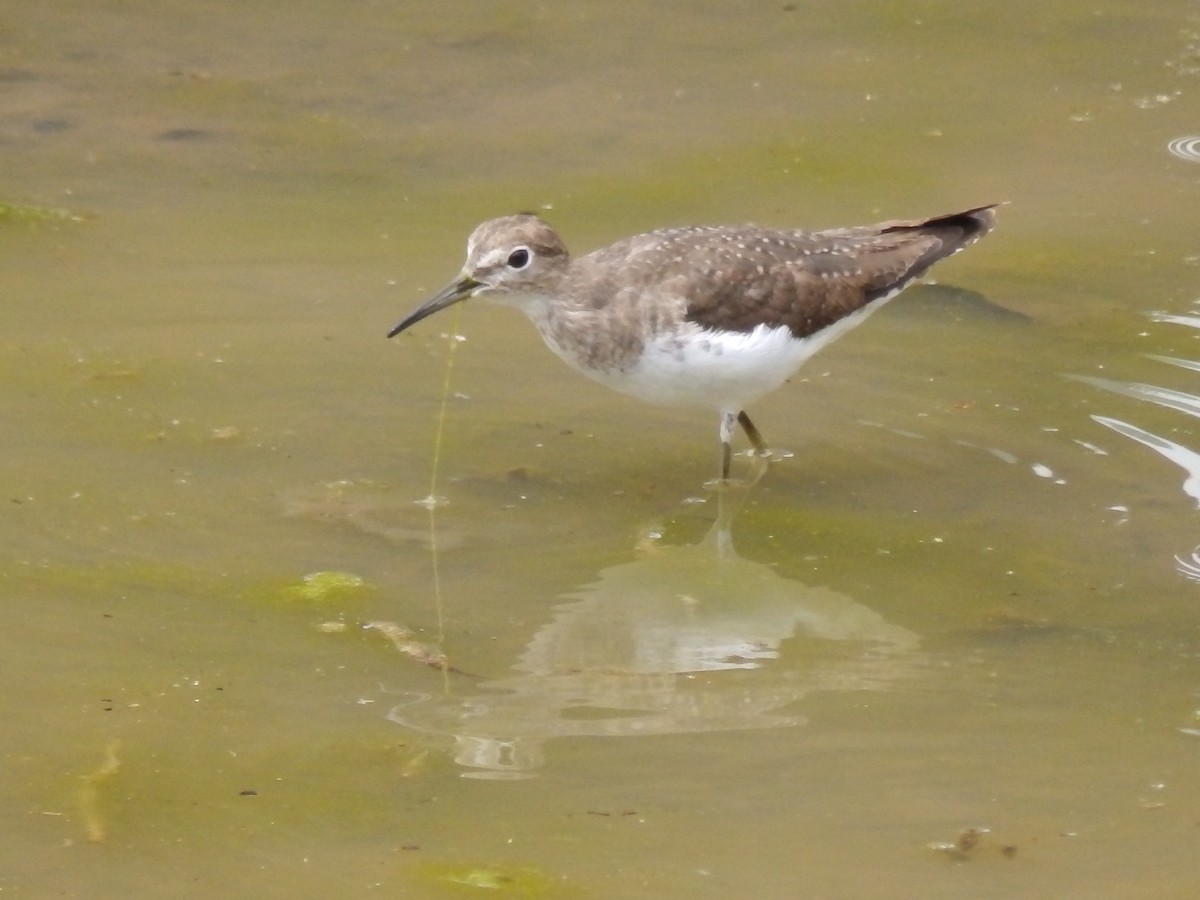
(806, 281)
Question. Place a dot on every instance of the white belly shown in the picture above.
(720, 370)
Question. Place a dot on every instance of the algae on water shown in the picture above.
(22, 212)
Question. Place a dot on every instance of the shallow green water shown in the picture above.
(964, 603)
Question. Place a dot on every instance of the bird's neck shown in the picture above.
(588, 338)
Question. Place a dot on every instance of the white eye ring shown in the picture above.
(520, 258)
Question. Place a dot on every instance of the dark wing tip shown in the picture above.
(971, 225)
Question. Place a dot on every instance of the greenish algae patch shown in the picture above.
(120, 579)
(110, 580)
(21, 212)
(324, 587)
(320, 588)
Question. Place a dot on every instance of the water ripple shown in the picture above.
(1178, 401)
(1186, 459)
(1189, 567)
(1187, 147)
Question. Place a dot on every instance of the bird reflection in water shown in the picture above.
(685, 639)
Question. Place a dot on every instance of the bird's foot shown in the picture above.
(773, 455)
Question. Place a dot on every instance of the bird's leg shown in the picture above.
(727, 420)
(756, 438)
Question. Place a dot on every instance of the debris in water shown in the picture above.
(969, 843)
(405, 641)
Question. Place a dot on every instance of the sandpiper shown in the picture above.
(712, 317)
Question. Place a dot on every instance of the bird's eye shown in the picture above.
(519, 258)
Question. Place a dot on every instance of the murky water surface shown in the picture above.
(949, 648)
